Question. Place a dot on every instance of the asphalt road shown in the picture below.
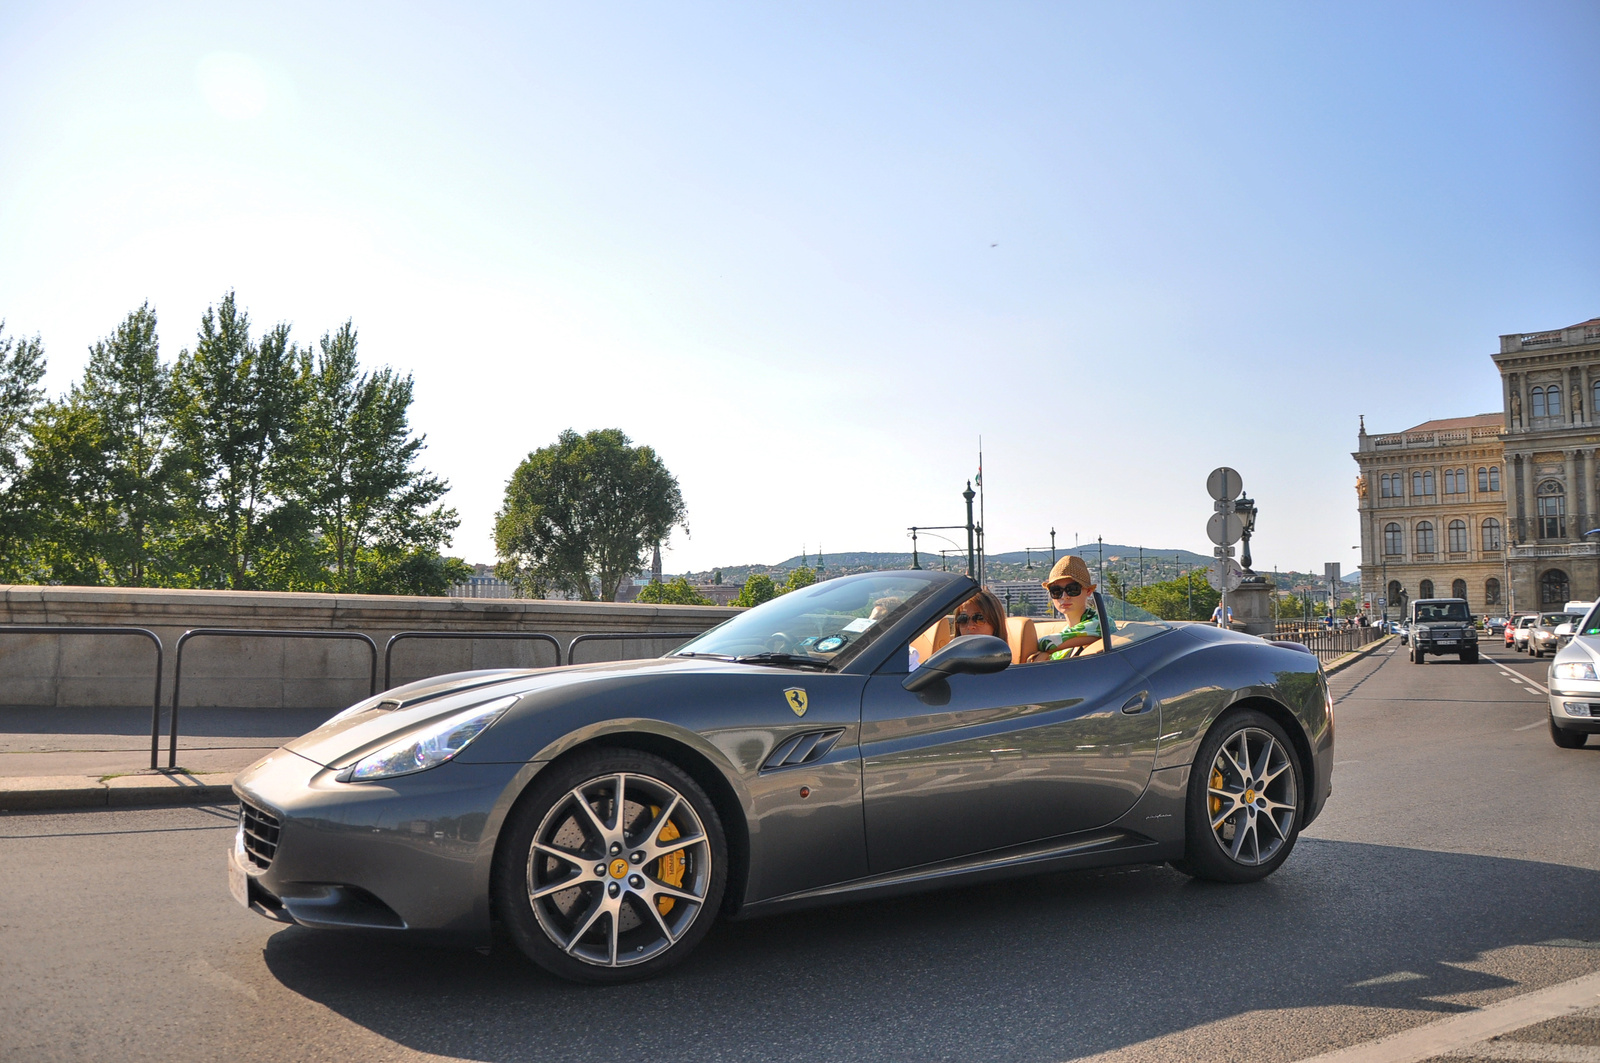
(1458, 863)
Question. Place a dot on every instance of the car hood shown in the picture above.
(1583, 648)
(373, 723)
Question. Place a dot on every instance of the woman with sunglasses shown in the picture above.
(982, 614)
(1071, 591)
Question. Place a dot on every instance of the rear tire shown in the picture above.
(1566, 739)
(1245, 802)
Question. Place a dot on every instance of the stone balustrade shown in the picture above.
(118, 671)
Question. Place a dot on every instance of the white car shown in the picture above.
(1519, 634)
(1575, 686)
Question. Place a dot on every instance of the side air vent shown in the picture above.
(803, 748)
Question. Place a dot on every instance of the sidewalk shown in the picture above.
(94, 758)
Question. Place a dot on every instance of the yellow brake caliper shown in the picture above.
(1216, 784)
(669, 868)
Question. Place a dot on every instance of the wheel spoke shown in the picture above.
(584, 875)
(562, 854)
(1268, 777)
(594, 819)
(1240, 830)
(658, 889)
(1241, 769)
(1260, 770)
(616, 923)
(1222, 817)
(1275, 829)
(661, 921)
(595, 912)
(616, 803)
(661, 822)
(674, 846)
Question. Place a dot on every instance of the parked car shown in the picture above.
(1574, 683)
(811, 750)
(1403, 630)
(1495, 625)
(1519, 633)
(1440, 626)
(1575, 611)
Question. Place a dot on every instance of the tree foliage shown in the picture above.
(580, 514)
(758, 588)
(800, 577)
(673, 592)
(1189, 597)
(21, 369)
(251, 463)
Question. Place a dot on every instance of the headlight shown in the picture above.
(1421, 629)
(429, 747)
(1575, 670)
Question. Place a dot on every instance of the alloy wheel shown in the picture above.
(1252, 796)
(619, 870)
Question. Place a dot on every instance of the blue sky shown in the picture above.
(811, 255)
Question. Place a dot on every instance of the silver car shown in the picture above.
(1575, 686)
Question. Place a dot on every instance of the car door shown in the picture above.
(981, 762)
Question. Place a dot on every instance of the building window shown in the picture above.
(1595, 399)
(1491, 591)
(1458, 539)
(1538, 402)
(1393, 545)
(1449, 481)
(1494, 477)
(1396, 593)
(1426, 589)
(1553, 400)
(1422, 482)
(1483, 479)
(1390, 484)
(1553, 588)
(1425, 541)
(1491, 534)
(1458, 589)
(1552, 511)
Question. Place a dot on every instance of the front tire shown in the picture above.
(1469, 656)
(1245, 797)
(1566, 739)
(1417, 656)
(612, 867)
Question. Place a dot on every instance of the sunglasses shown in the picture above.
(1066, 590)
(974, 618)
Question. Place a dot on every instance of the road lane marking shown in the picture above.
(1390, 979)
(1529, 726)
(1531, 1050)
(1521, 678)
(1468, 1028)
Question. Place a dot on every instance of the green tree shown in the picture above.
(716, 577)
(235, 402)
(758, 588)
(800, 577)
(102, 469)
(673, 592)
(581, 514)
(21, 369)
(371, 507)
(1172, 599)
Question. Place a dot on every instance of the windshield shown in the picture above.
(821, 624)
(1433, 611)
(1552, 619)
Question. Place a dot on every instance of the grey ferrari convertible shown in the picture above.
(834, 744)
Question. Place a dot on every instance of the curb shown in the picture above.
(51, 793)
(1355, 655)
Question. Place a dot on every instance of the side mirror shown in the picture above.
(969, 654)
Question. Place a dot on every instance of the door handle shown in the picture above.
(1137, 704)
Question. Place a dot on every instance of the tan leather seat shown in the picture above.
(1023, 638)
(932, 640)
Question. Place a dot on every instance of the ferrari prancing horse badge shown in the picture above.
(796, 697)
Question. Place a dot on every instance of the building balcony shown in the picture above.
(1530, 551)
(1454, 437)
(1587, 332)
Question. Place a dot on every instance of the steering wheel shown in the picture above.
(778, 642)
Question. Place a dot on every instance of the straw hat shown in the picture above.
(1070, 567)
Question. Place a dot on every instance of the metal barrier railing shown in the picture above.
(231, 632)
(533, 636)
(621, 636)
(1330, 643)
(62, 629)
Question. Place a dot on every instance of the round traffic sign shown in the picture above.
(1225, 529)
(1225, 575)
(1224, 484)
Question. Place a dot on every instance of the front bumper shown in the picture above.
(1575, 706)
(410, 853)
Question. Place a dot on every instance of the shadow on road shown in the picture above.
(1039, 970)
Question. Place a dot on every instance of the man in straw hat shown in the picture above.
(1071, 592)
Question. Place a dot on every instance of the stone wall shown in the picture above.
(234, 672)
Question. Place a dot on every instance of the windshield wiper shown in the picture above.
(781, 658)
(713, 656)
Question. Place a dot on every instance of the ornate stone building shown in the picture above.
(1493, 508)
(1433, 503)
